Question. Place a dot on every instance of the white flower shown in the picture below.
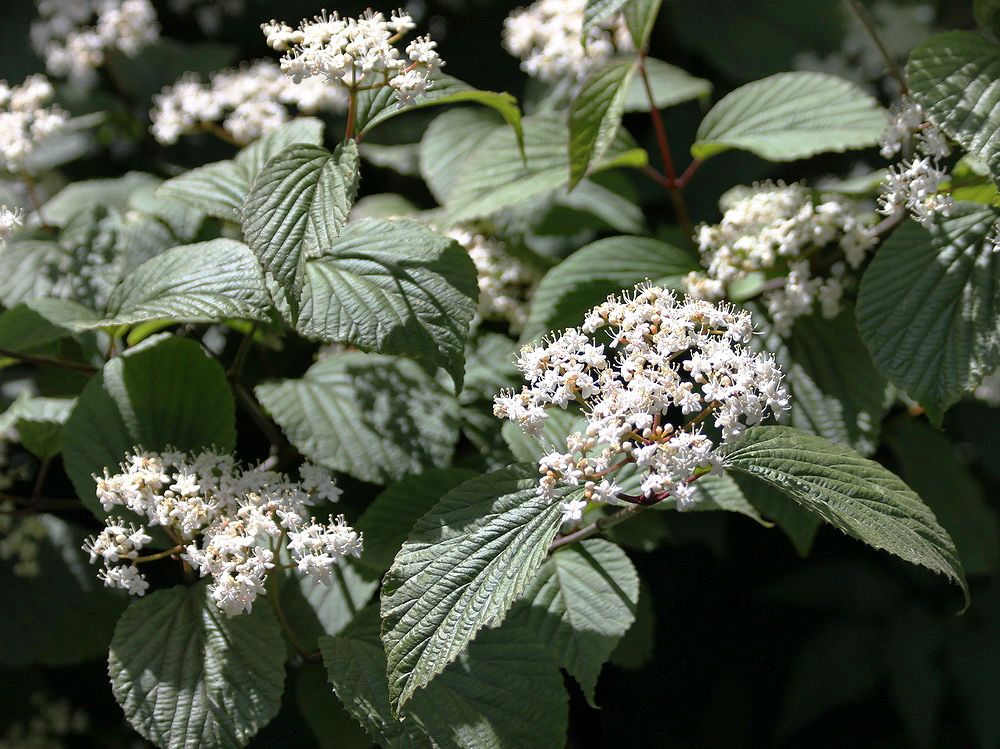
(572, 510)
(74, 36)
(247, 102)
(10, 219)
(231, 521)
(914, 186)
(26, 120)
(548, 37)
(505, 283)
(662, 357)
(777, 226)
(354, 53)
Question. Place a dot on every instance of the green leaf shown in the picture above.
(377, 106)
(953, 77)
(39, 423)
(850, 492)
(164, 392)
(987, 13)
(319, 609)
(448, 141)
(187, 675)
(791, 116)
(720, 491)
(670, 86)
(469, 706)
(595, 115)
(593, 272)
(297, 205)
(377, 418)
(931, 465)
(332, 726)
(461, 569)
(42, 623)
(580, 603)
(799, 524)
(529, 448)
(496, 177)
(219, 189)
(387, 521)
(393, 287)
(635, 648)
(77, 197)
(37, 322)
(205, 282)
(597, 12)
(216, 189)
(640, 18)
(929, 307)
(836, 390)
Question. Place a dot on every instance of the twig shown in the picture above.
(159, 555)
(47, 361)
(866, 20)
(670, 174)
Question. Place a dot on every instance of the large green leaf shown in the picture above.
(593, 272)
(929, 307)
(37, 322)
(850, 492)
(595, 115)
(836, 390)
(581, 602)
(791, 116)
(42, 623)
(393, 287)
(319, 609)
(377, 106)
(378, 418)
(219, 189)
(387, 521)
(461, 569)
(204, 282)
(931, 465)
(332, 726)
(38, 423)
(640, 18)
(164, 392)
(953, 77)
(448, 141)
(187, 675)
(93, 193)
(297, 205)
(798, 523)
(495, 176)
(670, 85)
(469, 706)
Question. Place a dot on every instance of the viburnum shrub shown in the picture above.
(397, 448)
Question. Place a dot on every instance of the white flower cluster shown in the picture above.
(988, 390)
(10, 220)
(548, 37)
(249, 102)
(50, 727)
(228, 523)
(668, 367)
(778, 227)
(74, 36)
(913, 185)
(357, 53)
(505, 283)
(26, 119)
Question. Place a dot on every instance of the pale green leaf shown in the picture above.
(187, 675)
(36, 322)
(579, 605)
(850, 492)
(165, 392)
(590, 274)
(929, 307)
(448, 141)
(596, 12)
(462, 567)
(319, 609)
(393, 287)
(670, 85)
(791, 116)
(378, 418)
(205, 282)
(953, 77)
(595, 115)
(216, 189)
(304, 130)
(640, 17)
